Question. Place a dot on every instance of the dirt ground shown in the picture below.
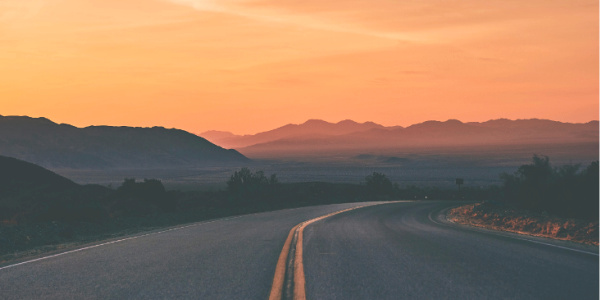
(537, 224)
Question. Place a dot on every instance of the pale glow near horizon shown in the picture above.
(249, 66)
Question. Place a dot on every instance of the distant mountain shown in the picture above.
(62, 146)
(217, 135)
(319, 137)
(309, 129)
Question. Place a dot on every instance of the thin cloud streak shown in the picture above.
(233, 61)
(19, 10)
(299, 20)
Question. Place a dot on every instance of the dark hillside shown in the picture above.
(62, 146)
(17, 176)
(29, 192)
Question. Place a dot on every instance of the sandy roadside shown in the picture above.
(523, 222)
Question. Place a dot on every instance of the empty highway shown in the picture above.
(400, 251)
(388, 251)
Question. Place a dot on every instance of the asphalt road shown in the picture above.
(389, 251)
(225, 259)
(397, 251)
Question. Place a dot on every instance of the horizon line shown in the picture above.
(298, 124)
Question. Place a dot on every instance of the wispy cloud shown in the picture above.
(422, 21)
(270, 13)
(11, 10)
(385, 59)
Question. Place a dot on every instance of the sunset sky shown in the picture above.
(249, 66)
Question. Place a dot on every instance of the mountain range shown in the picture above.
(309, 129)
(317, 137)
(65, 147)
(62, 146)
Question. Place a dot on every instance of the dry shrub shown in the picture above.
(521, 221)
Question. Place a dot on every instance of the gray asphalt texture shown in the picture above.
(225, 259)
(390, 251)
(397, 251)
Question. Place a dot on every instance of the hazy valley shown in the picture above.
(427, 154)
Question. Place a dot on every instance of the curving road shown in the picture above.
(230, 258)
(398, 251)
(387, 251)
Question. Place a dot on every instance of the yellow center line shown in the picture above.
(299, 282)
(278, 279)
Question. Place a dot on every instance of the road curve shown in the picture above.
(397, 251)
(230, 258)
(388, 251)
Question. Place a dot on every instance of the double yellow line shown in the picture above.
(288, 282)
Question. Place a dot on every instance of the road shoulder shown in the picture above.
(442, 217)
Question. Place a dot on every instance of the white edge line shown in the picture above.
(507, 234)
(116, 241)
(132, 238)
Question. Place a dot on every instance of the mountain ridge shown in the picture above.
(499, 131)
(316, 127)
(52, 145)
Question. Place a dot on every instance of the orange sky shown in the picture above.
(248, 66)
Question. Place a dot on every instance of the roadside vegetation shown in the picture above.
(42, 218)
(542, 224)
(568, 191)
(538, 199)
(55, 212)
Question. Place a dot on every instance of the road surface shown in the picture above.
(388, 251)
(398, 251)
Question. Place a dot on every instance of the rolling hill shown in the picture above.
(28, 191)
(62, 146)
(17, 176)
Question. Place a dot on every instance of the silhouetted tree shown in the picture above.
(273, 179)
(246, 184)
(140, 198)
(525, 187)
(564, 191)
(379, 184)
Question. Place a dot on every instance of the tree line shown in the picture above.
(95, 212)
(567, 191)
